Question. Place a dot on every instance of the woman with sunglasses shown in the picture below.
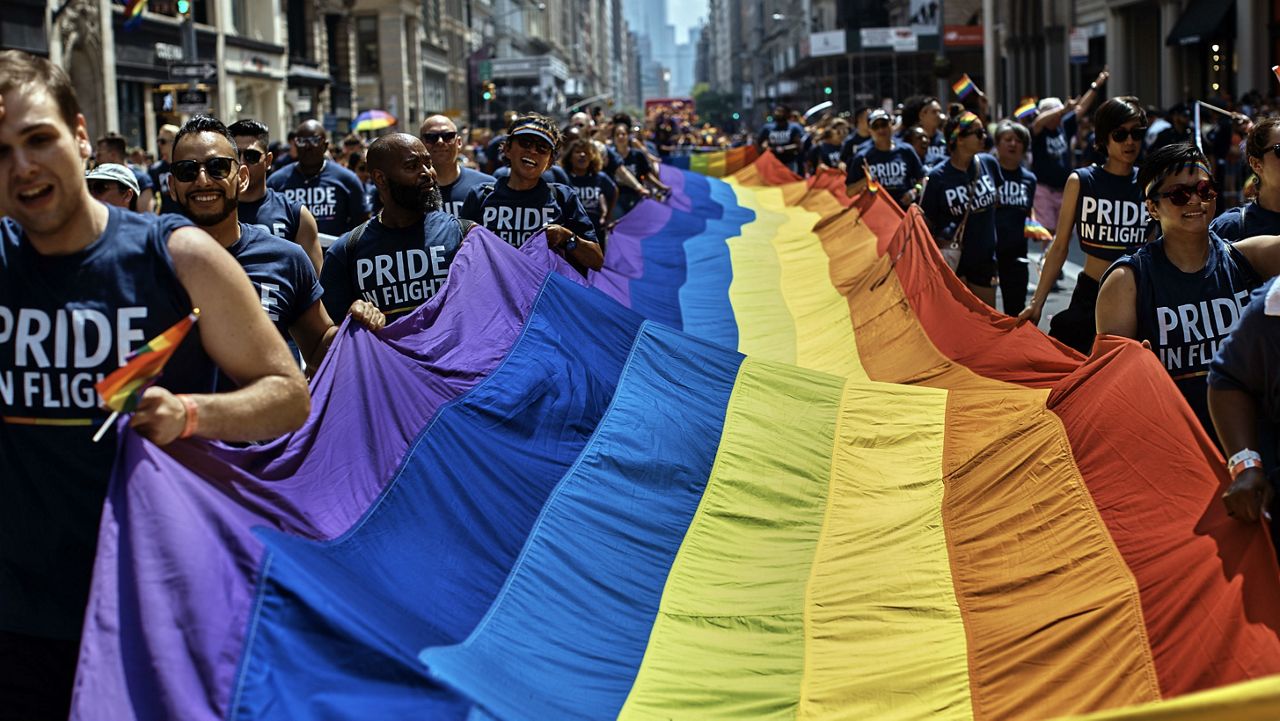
(958, 203)
(596, 191)
(1103, 205)
(1261, 216)
(517, 206)
(1183, 292)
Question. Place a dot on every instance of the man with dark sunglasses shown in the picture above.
(330, 191)
(443, 142)
(207, 182)
(113, 184)
(1183, 293)
(264, 207)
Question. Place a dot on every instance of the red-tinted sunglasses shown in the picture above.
(1180, 195)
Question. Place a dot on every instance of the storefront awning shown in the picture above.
(301, 75)
(1201, 21)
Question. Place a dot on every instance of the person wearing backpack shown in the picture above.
(522, 204)
(400, 258)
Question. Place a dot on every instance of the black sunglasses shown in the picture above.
(186, 171)
(1275, 150)
(1180, 195)
(308, 141)
(251, 155)
(534, 145)
(98, 187)
(433, 138)
(1120, 134)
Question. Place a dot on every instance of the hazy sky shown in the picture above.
(685, 14)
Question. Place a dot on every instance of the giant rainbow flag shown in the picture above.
(794, 471)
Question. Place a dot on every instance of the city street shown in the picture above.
(572, 360)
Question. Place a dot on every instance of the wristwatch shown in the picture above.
(571, 243)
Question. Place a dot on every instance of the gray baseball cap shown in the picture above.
(116, 172)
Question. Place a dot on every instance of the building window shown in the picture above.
(367, 44)
(240, 16)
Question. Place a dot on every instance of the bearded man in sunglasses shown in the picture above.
(207, 181)
(333, 194)
(1183, 292)
(264, 207)
(443, 142)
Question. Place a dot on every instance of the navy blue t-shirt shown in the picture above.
(65, 323)
(636, 161)
(395, 269)
(937, 152)
(1246, 221)
(334, 196)
(456, 194)
(159, 174)
(612, 161)
(897, 170)
(1248, 360)
(951, 192)
(1186, 316)
(851, 145)
(144, 179)
(1051, 153)
(781, 133)
(514, 215)
(281, 272)
(273, 213)
(824, 154)
(1111, 219)
(1016, 194)
(553, 174)
(592, 189)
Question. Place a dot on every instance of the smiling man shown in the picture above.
(441, 138)
(332, 193)
(207, 182)
(81, 285)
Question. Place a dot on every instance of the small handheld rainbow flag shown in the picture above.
(873, 186)
(133, 14)
(122, 389)
(1032, 230)
(1025, 109)
(963, 87)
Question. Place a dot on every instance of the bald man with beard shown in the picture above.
(332, 193)
(443, 142)
(400, 258)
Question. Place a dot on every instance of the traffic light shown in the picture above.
(184, 7)
(489, 91)
(826, 90)
(736, 116)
